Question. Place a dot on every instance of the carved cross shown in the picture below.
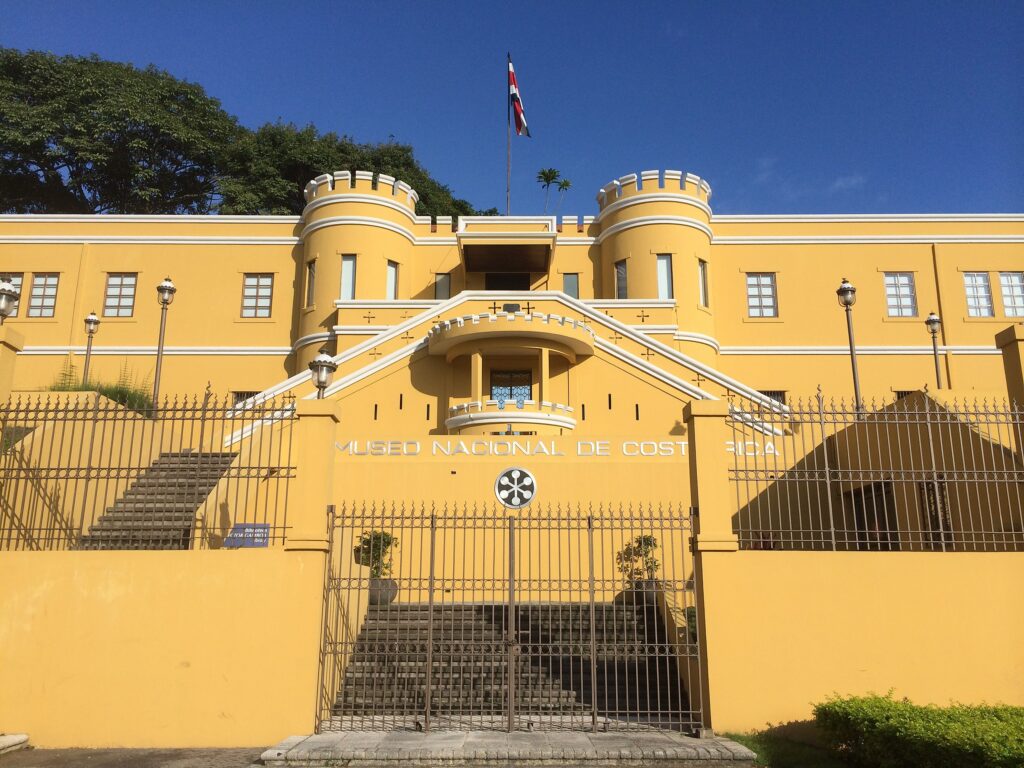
(494, 308)
(407, 336)
(369, 316)
(700, 379)
(406, 315)
(643, 316)
(375, 353)
(529, 309)
(616, 337)
(647, 353)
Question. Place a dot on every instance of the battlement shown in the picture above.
(361, 183)
(648, 182)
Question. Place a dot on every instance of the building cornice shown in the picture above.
(826, 218)
(653, 197)
(643, 221)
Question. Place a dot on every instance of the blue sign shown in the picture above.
(244, 535)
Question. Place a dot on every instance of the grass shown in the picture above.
(776, 750)
(124, 391)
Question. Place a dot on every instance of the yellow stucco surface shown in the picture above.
(150, 649)
(788, 629)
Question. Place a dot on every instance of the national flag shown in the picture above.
(516, 102)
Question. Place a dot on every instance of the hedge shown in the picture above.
(882, 732)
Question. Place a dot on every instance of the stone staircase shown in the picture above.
(387, 673)
(158, 510)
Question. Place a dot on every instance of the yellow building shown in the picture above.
(567, 472)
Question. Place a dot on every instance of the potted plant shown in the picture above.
(374, 551)
(638, 565)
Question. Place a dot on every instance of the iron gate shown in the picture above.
(491, 618)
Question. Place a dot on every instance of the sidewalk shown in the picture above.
(131, 758)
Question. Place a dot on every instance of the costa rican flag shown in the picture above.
(515, 102)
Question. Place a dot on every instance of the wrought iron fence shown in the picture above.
(79, 471)
(491, 618)
(922, 473)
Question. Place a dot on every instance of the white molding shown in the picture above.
(549, 221)
(356, 376)
(861, 350)
(661, 196)
(825, 218)
(576, 240)
(698, 338)
(359, 330)
(346, 197)
(643, 221)
(652, 370)
(154, 239)
(515, 416)
(630, 303)
(140, 350)
(642, 328)
(863, 239)
(184, 218)
(365, 221)
(387, 303)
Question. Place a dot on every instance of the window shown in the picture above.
(257, 292)
(665, 276)
(348, 276)
(900, 297)
(443, 285)
(119, 300)
(778, 395)
(44, 295)
(391, 292)
(241, 397)
(621, 291)
(702, 282)
(571, 284)
(514, 386)
(310, 283)
(761, 297)
(14, 279)
(1012, 284)
(979, 294)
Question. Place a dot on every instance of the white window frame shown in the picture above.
(702, 283)
(900, 294)
(568, 277)
(442, 286)
(257, 294)
(1011, 285)
(347, 290)
(42, 301)
(762, 295)
(621, 279)
(391, 282)
(17, 279)
(311, 283)
(665, 288)
(119, 294)
(978, 294)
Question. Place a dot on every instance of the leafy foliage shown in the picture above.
(374, 550)
(883, 732)
(125, 390)
(636, 560)
(83, 135)
(546, 177)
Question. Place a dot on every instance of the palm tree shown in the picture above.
(563, 186)
(547, 177)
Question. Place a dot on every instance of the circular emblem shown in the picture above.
(515, 488)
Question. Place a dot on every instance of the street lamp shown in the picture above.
(933, 323)
(165, 295)
(847, 295)
(8, 298)
(92, 324)
(323, 367)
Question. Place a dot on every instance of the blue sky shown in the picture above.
(817, 107)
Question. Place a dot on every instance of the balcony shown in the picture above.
(524, 416)
(561, 335)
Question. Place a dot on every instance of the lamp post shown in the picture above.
(323, 367)
(933, 323)
(92, 324)
(165, 295)
(847, 296)
(8, 298)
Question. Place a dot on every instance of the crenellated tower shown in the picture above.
(654, 233)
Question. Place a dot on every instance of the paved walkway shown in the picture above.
(131, 758)
(546, 748)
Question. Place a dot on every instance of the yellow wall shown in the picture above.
(153, 649)
(789, 629)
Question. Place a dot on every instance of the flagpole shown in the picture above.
(508, 139)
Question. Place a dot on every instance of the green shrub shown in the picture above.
(882, 732)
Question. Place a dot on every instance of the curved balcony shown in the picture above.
(488, 416)
(456, 336)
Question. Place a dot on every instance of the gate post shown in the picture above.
(316, 421)
(713, 538)
(11, 343)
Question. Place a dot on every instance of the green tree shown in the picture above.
(547, 177)
(83, 135)
(563, 186)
